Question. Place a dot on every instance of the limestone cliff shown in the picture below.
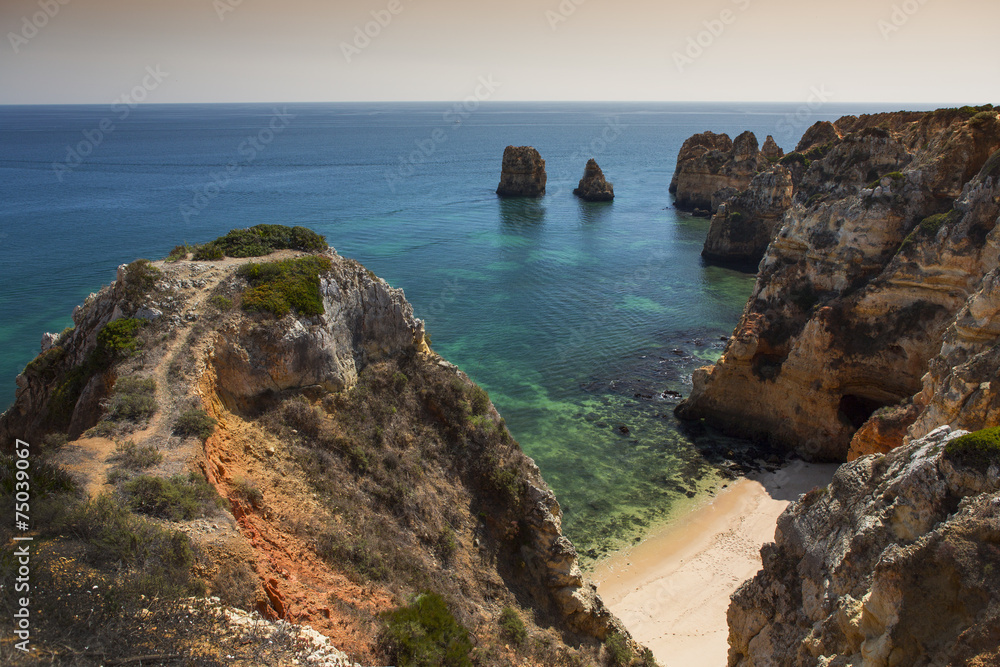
(893, 564)
(593, 186)
(744, 225)
(354, 467)
(712, 167)
(890, 232)
(522, 173)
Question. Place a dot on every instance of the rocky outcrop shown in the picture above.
(359, 468)
(522, 173)
(890, 232)
(365, 320)
(593, 186)
(771, 151)
(709, 163)
(893, 564)
(744, 225)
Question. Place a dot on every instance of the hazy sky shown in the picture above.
(95, 51)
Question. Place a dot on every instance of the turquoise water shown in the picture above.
(575, 317)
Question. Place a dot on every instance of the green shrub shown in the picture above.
(140, 279)
(977, 450)
(361, 557)
(134, 399)
(619, 654)
(195, 423)
(426, 634)
(46, 364)
(261, 240)
(208, 253)
(222, 303)
(46, 478)
(118, 339)
(512, 627)
(248, 491)
(177, 498)
(795, 158)
(178, 253)
(131, 456)
(162, 557)
(479, 400)
(280, 287)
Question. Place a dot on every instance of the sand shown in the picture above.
(672, 590)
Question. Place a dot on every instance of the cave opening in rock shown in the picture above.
(856, 410)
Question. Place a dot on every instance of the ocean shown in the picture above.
(583, 321)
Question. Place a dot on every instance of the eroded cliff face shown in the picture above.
(358, 468)
(711, 168)
(522, 173)
(744, 225)
(893, 564)
(891, 230)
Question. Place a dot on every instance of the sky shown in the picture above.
(169, 51)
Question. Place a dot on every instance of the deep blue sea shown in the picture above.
(575, 317)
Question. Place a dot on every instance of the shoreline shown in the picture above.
(672, 589)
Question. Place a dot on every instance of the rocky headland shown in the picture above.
(874, 299)
(871, 337)
(522, 173)
(262, 420)
(593, 186)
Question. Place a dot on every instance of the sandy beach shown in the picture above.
(672, 590)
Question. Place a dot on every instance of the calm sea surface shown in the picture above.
(575, 317)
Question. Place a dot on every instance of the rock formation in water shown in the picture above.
(522, 173)
(744, 225)
(355, 468)
(862, 304)
(593, 186)
(895, 563)
(711, 168)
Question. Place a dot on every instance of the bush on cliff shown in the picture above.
(977, 450)
(281, 287)
(134, 400)
(259, 241)
(426, 633)
(140, 279)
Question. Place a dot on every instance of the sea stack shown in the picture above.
(523, 173)
(593, 186)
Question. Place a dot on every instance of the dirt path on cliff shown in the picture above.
(672, 590)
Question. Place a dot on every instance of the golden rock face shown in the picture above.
(863, 290)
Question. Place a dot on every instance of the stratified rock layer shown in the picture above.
(893, 564)
(892, 229)
(593, 186)
(523, 173)
(709, 164)
(743, 227)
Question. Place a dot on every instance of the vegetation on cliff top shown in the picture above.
(977, 450)
(261, 240)
(281, 287)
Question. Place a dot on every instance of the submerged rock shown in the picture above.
(523, 173)
(593, 186)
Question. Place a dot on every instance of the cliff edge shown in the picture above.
(262, 420)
